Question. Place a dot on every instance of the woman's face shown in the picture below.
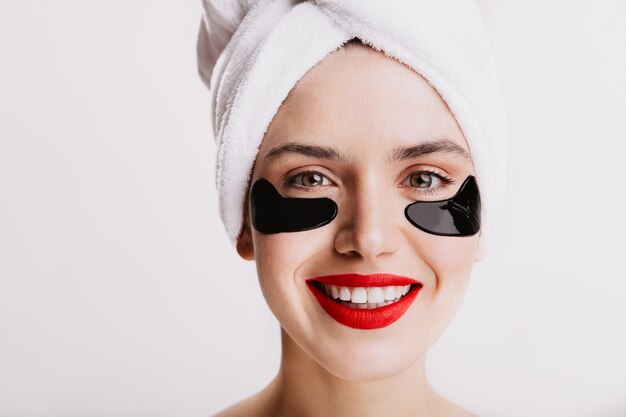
(357, 117)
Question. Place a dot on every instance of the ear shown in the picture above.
(481, 250)
(245, 248)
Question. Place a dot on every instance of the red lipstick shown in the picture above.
(374, 318)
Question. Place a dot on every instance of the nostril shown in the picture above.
(366, 246)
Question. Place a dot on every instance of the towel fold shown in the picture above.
(251, 53)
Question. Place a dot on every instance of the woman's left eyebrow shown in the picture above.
(439, 146)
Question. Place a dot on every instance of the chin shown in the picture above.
(361, 361)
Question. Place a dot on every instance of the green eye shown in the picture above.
(421, 179)
(428, 182)
(309, 179)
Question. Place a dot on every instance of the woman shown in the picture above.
(361, 272)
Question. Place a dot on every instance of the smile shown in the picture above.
(364, 301)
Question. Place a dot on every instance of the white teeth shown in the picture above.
(398, 291)
(367, 305)
(359, 295)
(375, 295)
(367, 297)
(344, 294)
(389, 293)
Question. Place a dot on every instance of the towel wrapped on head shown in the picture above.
(251, 53)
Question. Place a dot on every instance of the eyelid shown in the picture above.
(445, 180)
(406, 174)
(286, 179)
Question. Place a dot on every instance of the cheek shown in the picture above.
(280, 259)
(282, 253)
(452, 256)
(451, 259)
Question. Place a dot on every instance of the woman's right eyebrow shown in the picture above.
(314, 151)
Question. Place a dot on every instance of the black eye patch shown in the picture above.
(456, 216)
(272, 213)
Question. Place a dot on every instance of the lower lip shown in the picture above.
(366, 319)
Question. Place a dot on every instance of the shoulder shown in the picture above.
(254, 406)
(447, 408)
(457, 411)
(233, 411)
(238, 410)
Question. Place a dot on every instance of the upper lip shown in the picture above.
(371, 280)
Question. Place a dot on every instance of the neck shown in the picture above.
(304, 388)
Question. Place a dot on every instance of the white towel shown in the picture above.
(251, 53)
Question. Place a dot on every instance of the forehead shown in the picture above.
(362, 100)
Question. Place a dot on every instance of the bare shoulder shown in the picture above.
(241, 409)
(464, 413)
(457, 411)
(446, 408)
(254, 406)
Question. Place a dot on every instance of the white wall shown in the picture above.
(117, 279)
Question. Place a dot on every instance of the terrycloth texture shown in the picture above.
(251, 53)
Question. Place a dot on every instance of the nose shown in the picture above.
(369, 226)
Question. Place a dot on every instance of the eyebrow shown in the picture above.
(314, 151)
(439, 146)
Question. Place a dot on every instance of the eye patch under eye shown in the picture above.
(272, 213)
(456, 216)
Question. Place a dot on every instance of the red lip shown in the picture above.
(375, 318)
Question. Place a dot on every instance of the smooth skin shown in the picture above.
(360, 106)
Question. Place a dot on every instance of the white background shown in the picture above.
(120, 294)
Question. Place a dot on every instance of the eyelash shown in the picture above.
(430, 191)
(289, 181)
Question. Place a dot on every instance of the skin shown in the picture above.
(365, 105)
